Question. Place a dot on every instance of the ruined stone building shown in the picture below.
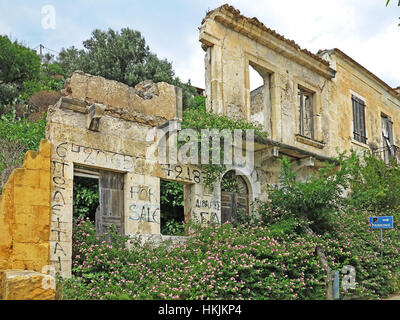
(312, 105)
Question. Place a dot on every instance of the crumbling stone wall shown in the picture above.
(25, 214)
(107, 125)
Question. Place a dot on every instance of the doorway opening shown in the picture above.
(234, 198)
(172, 208)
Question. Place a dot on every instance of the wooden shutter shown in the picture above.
(308, 119)
(111, 198)
(226, 206)
(387, 137)
(306, 115)
(359, 119)
(231, 204)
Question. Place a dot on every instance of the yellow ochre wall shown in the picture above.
(25, 209)
(353, 80)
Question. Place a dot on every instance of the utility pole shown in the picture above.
(41, 47)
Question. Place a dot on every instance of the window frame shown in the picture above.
(301, 109)
(359, 132)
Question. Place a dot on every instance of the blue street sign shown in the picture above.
(381, 222)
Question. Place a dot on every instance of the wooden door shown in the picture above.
(234, 197)
(111, 199)
(231, 204)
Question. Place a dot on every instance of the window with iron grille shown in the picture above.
(359, 131)
(306, 114)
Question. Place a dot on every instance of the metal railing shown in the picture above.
(388, 153)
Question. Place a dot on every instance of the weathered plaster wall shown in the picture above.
(232, 43)
(125, 141)
(350, 80)
(25, 214)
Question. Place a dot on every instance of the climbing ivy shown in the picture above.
(197, 118)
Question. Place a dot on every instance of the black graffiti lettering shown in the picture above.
(214, 217)
(59, 262)
(58, 193)
(196, 176)
(155, 216)
(168, 169)
(178, 170)
(143, 193)
(147, 214)
(151, 194)
(213, 204)
(78, 148)
(89, 151)
(60, 248)
(63, 165)
(54, 207)
(202, 218)
(58, 234)
(58, 223)
(59, 181)
(60, 147)
(132, 192)
(188, 174)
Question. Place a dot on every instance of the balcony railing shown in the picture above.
(388, 153)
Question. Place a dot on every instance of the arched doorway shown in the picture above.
(234, 197)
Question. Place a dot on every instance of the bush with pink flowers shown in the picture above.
(270, 256)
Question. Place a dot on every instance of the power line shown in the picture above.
(51, 49)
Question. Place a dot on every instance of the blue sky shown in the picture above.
(364, 29)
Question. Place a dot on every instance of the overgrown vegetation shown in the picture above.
(16, 137)
(85, 198)
(267, 257)
(197, 118)
(123, 56)
(171, 208)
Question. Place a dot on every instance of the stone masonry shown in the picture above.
(100, 125)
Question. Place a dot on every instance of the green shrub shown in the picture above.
(86, 198)
(217, 262)
(22, 130)
(16, 137)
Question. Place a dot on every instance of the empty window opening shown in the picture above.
(172, 208)
(306, 113)
(85, 193)
(260, 100)
(99, 196)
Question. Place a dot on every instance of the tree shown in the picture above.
(17, 62)
(387, 3)
(122, 56)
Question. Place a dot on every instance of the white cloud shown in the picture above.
(365, 30)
